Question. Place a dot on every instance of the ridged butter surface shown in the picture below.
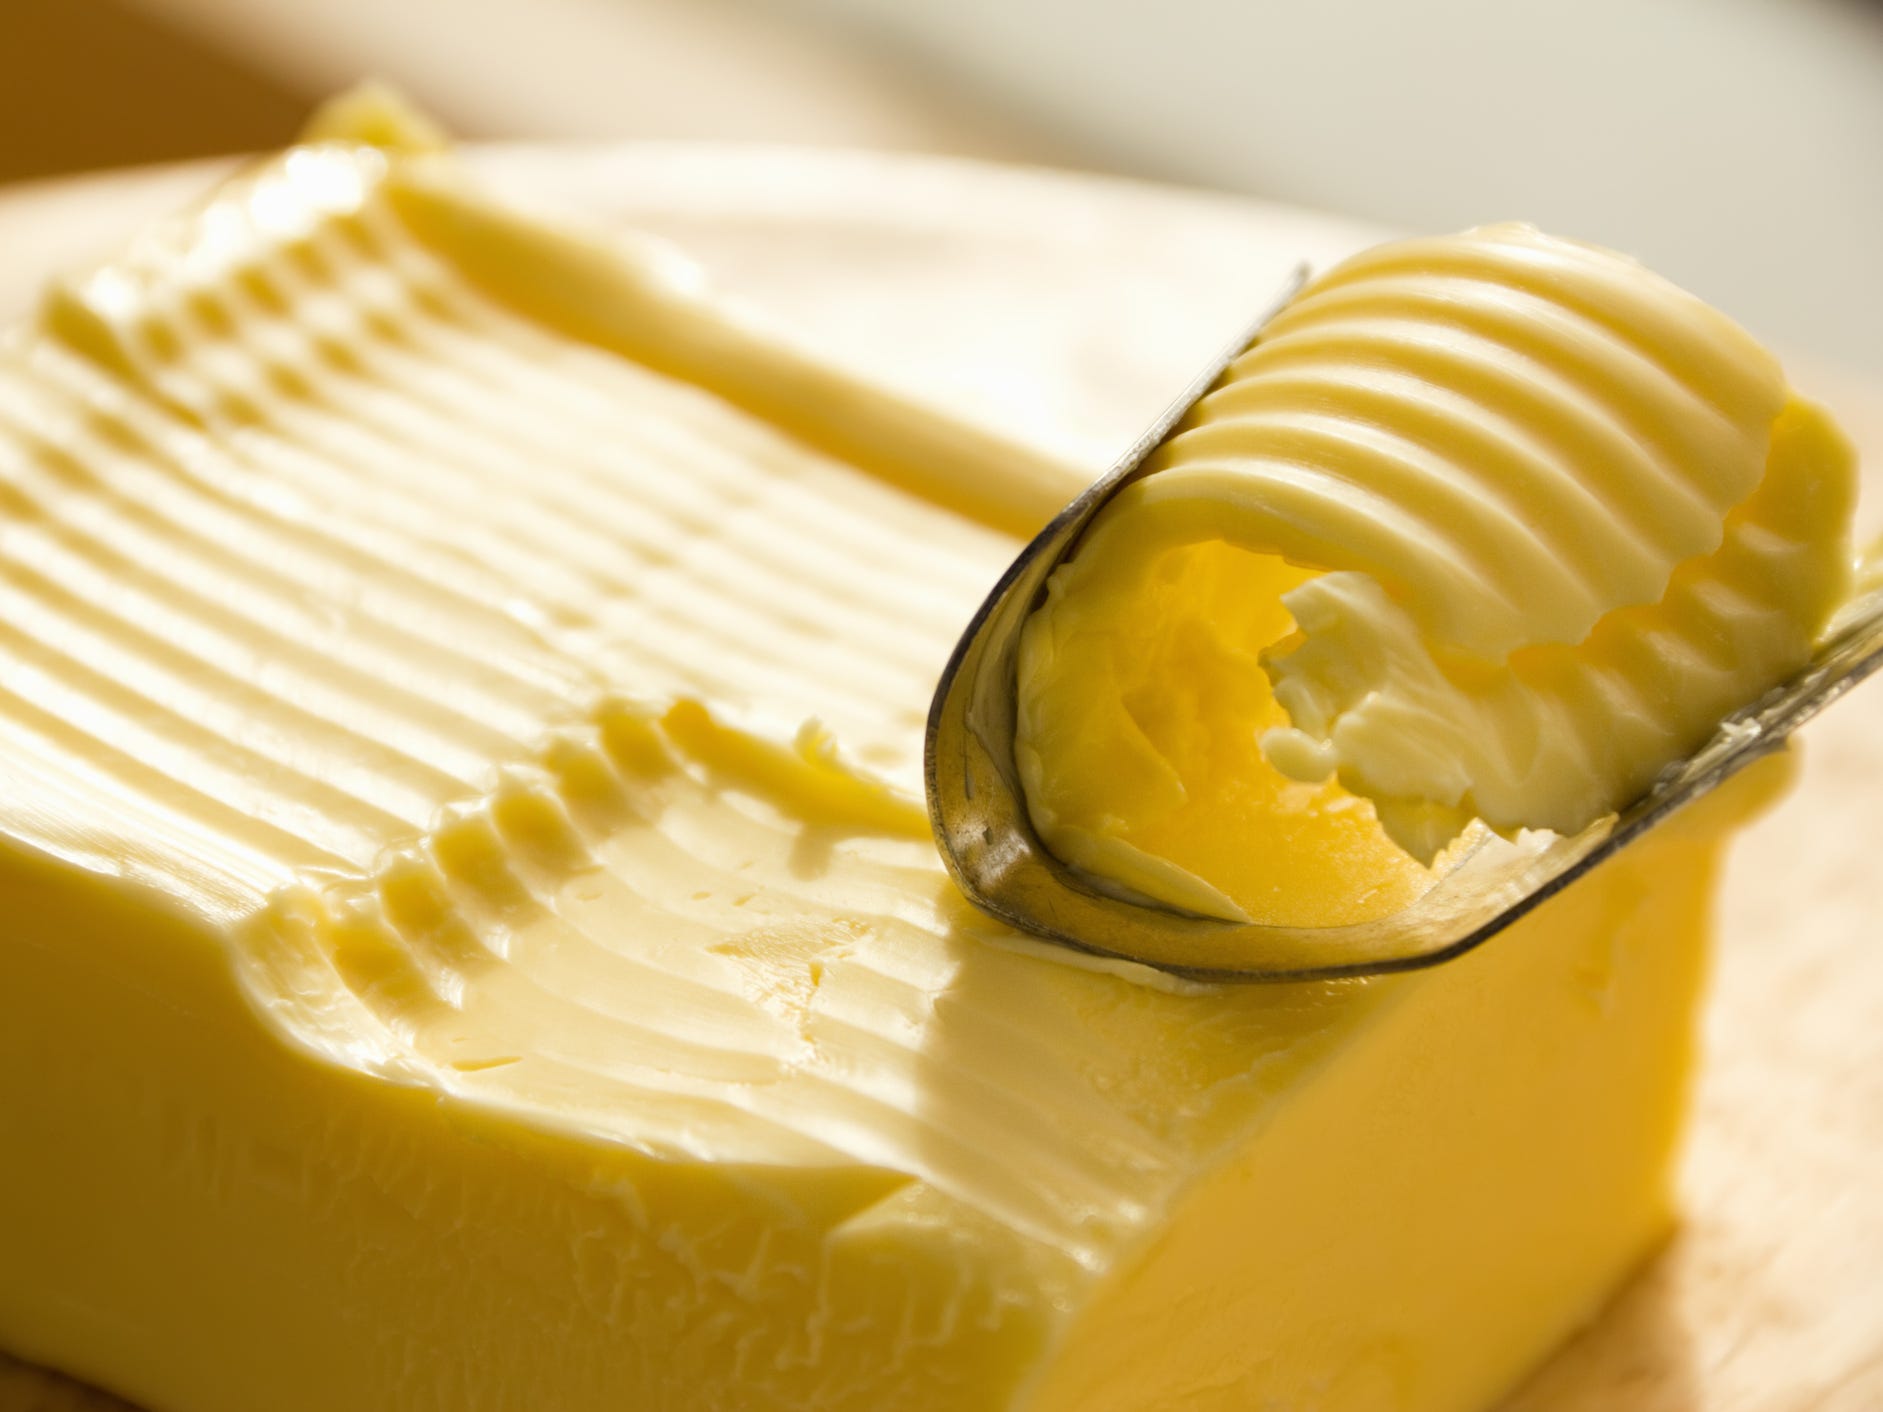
(1556, 518)
(469, 939)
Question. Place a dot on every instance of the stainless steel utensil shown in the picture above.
(987, 839)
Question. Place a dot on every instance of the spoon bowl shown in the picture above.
(987, 840)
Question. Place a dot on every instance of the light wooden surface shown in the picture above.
(1065, 310)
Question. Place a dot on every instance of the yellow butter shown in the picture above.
(440, 968)
(1522, 521)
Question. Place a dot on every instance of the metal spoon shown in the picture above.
(987, 840)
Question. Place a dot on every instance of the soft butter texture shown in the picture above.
(468, 939)
(1522, 521)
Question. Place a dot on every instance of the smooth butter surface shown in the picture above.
(1521, 521)
(441, 971)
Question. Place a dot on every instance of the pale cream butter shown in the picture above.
(1546, 518)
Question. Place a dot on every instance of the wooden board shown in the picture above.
(1065, 310)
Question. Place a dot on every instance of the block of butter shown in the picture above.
(469, 939)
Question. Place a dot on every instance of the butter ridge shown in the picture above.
(1537, 490)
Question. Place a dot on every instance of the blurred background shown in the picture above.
(1737, 145)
